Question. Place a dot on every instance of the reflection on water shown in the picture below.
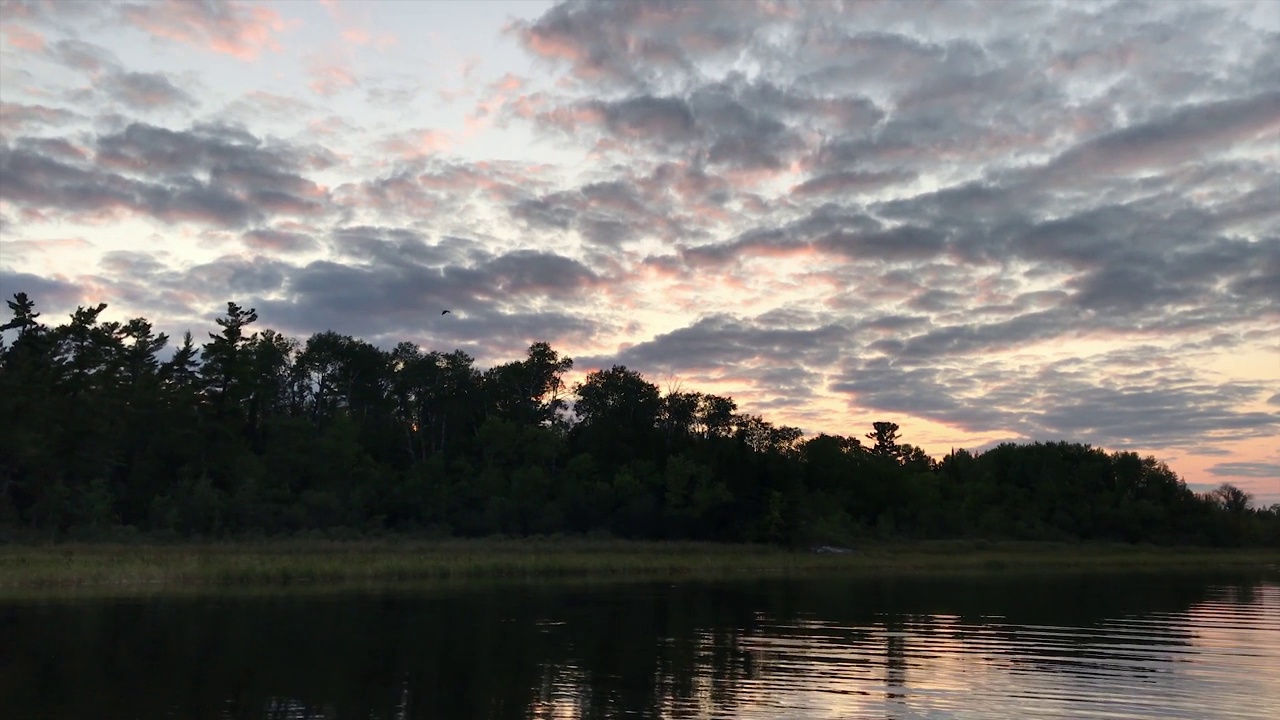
(1142, 647)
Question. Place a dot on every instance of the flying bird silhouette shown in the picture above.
(444, 312)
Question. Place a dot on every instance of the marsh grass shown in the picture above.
(368, 563)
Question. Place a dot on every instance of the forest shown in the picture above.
(111, 433)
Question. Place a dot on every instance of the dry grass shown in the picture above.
(362, 563)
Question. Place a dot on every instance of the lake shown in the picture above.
(1000, 646)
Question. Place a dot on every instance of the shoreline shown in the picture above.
(294, 563)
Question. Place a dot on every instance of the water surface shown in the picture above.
(997, 647)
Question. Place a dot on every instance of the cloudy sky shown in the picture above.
(983, 221)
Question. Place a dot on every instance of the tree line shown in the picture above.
(252, 433)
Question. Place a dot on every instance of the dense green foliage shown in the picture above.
(255, 433)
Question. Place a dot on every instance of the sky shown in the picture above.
(984, 221)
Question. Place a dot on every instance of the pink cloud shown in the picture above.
(27, 249)
(24, 39)
(553, 46)
(330, 126)
(277, 240)
(354, 33)
(356, 36)
(331, 79)
(228, 27)
(416, 143)
(528, 106)
(361, 36)
(464, 71)
(499, 95)
(15, 117)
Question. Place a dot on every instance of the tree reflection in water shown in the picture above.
(883, 648)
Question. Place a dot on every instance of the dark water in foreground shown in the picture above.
(1130, 647)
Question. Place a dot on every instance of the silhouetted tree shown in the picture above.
(260, 433)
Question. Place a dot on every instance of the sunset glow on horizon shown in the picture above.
(984, 222)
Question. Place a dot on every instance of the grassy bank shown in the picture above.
(367, 562)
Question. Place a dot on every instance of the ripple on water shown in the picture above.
(1220, 659)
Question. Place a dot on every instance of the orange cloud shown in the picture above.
(232, 28)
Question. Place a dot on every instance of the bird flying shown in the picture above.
(444, 312)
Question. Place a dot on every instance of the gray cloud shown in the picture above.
(1270, 471)
(1064, 401)
(849, 182)
(83, 56)
(525, 272)
(603, 213)
(723, 342)
(387, 305)
(900, 243)
(279, 241)
(135, 90)
(1183, 135)
(51, 295)
(19, 118)
(214, 174)
(499, 302)
(145, 91)
(646, 116)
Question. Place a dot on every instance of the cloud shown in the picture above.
(145, 91)
(136, 90)
(904, 242)
(390, 301)
(261, 105)
(52, 295)
(84, 56)
(224, 26)
(149, 283)
(849, 182)
(17, 251)
(210, 174)
(630, 43)
(331, 79)
(1183, 135)
(723, 342)
(1063, 400)
(23, 38)
(267, 240)
(18, 118)
(415, 144)
(1264, 470)
(983, 225)
(604, 214)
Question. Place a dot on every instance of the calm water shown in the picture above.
(1133, 647)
